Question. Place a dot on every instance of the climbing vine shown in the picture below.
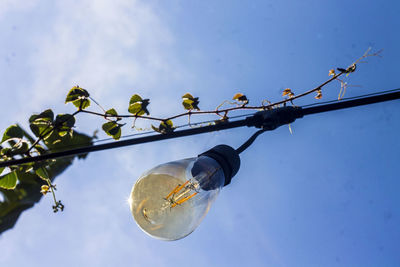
(23, 185)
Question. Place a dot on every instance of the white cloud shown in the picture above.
(112, 48)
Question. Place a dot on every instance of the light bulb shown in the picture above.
(169, 201)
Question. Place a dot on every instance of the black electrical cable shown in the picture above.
(352, 103)
(199, 124)
(266, 120)
(351, 98)
(322, 107)
(133, 141)
(191, 125)
(250, 141)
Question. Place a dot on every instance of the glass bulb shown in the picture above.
(169, 201)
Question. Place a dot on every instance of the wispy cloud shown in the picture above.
(110, 47)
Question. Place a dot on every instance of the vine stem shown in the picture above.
(41, 136)
(51, 186)
(217, 111)
(121, 116)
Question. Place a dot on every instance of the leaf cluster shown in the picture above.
(46, 127)
(21, 185)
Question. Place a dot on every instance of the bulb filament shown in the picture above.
(180, 194)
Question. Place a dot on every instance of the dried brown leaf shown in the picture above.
(319, 94)
(240, 97)
(287, 92)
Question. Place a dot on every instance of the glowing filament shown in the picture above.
(176, 197)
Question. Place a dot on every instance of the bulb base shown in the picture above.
(227, 157)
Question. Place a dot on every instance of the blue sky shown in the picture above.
(325, 196)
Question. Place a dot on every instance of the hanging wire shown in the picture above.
(250, 141)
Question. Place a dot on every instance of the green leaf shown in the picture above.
(65, 120)
(168, 123)
(189, 102)
(40, 123)
(57, 141)
(116, 132)
(76, 93)
(135, 98)
(26, 135)
(64, 124)
(39, 130)
(35, 130)
(20, 148)
(26, 167)
(135, 108)
(138, 106)
(40, 149)
(9, 181)
(6, 151)
(112, 129)
(108, 126)
(112, 112)
(27, 193)
(79, 97)
(81, 103)
(165, 127)
(187, 95)
(14, 131)
(62, 134)
(45, 117)
(42, 173)
(2, 169)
